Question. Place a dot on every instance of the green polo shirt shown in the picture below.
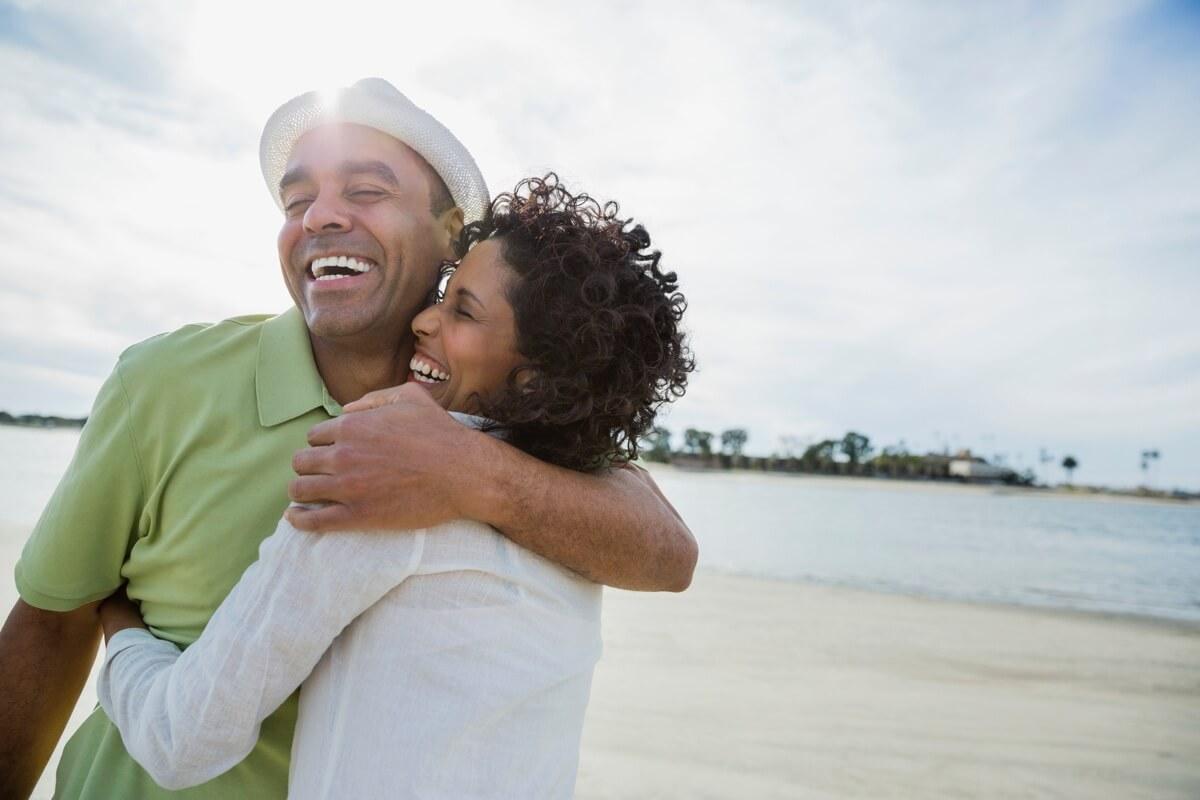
(181, 471)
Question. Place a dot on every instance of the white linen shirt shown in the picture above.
(447, 662)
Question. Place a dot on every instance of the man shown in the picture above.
(181, 470)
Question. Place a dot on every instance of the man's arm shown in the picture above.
(70, 563)
(45, 658)
(400, 461)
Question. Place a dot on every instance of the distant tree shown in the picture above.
(819, 456)
(657, 445)
(733, 440)
(856, 447)
(697, 441)
(1069, 464)
(894, 460)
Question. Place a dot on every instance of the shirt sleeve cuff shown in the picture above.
(131, 637)
(51, 602)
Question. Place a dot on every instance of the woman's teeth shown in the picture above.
(425, 372)
(331, 268)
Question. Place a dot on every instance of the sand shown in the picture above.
(743, 688)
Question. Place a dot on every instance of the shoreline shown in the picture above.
(914, 484)
(75, 425)
(1176, 624)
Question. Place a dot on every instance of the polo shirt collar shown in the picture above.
(286, 379)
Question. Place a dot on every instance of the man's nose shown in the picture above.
(326, 213)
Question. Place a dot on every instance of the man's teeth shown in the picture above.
(426, 373)
(330, 268)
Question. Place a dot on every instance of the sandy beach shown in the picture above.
(745, 688)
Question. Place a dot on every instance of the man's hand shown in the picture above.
(117, 613)
(398, 461)
(394, 460)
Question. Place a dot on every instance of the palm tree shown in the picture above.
(1147, 457)
(1069, 464)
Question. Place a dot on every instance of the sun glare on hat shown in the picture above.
(329, 97)
(378, 104)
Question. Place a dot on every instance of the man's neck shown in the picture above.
(351, 370)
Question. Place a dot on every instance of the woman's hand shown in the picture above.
(118, 612)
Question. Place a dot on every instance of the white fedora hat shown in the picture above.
(377, 104)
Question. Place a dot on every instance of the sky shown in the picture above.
(947, 225)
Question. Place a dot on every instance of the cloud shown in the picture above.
(978, 220)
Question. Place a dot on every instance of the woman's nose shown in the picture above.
(326, 213)
(425, 324)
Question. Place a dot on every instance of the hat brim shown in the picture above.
(377, 104)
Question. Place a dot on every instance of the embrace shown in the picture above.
(471, 376)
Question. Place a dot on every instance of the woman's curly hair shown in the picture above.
(596, 319)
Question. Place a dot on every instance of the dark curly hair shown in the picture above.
(596, 319)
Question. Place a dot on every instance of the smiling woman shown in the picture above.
(559, 325)
(466, 344)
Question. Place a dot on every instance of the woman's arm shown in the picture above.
(188, 717)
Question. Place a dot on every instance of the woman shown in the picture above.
(446, 662)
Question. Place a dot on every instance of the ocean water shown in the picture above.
(965, 543)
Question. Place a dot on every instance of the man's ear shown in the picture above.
(451, 223)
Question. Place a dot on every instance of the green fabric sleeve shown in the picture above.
(80, 543)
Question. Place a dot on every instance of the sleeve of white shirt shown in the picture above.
(188, 717)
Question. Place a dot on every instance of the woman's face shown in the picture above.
(466, 344)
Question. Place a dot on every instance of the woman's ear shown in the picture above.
(525, 376)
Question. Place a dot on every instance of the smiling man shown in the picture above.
(367, 224)
(184, 465)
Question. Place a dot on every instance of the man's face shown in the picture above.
(359, 247)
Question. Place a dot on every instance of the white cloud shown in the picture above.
(976, 220)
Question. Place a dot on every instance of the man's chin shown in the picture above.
(336, 324)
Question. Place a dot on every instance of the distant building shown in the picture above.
(972, 468)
